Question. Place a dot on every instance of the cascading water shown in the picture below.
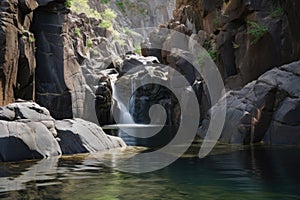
(132, 133)
(124, 115)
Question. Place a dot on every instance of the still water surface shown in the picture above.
(228, 173)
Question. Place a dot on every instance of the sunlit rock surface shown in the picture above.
(29, 132)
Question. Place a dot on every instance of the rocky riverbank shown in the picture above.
(64, 60)
(29, 132)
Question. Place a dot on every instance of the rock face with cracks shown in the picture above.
(266, 110)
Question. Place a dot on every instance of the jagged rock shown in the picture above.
(104, 101)
(134, 60)
(27, 132)
(264, 110)
(239, 58)
(79, 136)
(17, 61)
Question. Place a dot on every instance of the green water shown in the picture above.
(228, 173)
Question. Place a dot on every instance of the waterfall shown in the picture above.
(124, 115)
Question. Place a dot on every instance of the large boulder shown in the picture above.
(266, 110)
(79, 136)
(27, 132)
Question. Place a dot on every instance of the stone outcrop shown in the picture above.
(17, 60)
(266, 110)
(79, 136)
(52, 91)
(245, 38)
(136, 13)
(29, 132)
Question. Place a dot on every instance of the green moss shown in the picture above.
(256, 31)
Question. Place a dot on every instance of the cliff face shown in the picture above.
(17, 60)
(38, 61)
(247, 38)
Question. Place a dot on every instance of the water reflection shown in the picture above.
(243, 173)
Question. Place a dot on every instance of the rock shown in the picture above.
(240, 59)
(27, 132)
(79, 136)
(51, 87)
(17, 60)
(264, 110)
(285, 126)
(133, 60)
(104, 101)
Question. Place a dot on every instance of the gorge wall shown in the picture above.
(245, 37)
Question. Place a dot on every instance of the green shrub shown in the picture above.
(137, 49)
(211, 49)
(77, 32)
(276, 11)
(256, 31)
(82, 6)
(213, 54)
(108, 17)
(109, 14)
(105, 24)
(68, 3)
(120, 6)
(217, 21)
(89, 43)
(31, 39)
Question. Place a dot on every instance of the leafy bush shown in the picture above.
(256, 31)
(82, 6)
(77, 32)
(276, 11)
(108, 17)
(120, 6)
(109, 14)
(89, 43)
(211, 50)
(105, 24)
(68, 3)
(137, 49)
